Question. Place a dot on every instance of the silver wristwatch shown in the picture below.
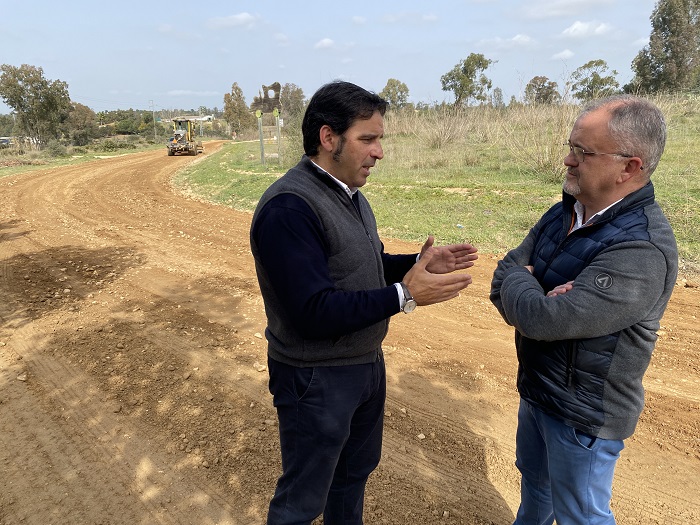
(409, 302)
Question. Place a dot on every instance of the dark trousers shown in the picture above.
(330, 423)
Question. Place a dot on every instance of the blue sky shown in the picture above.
(128, 54)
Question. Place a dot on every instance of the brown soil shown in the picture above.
(133, 388)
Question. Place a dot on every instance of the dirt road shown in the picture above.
(133, 387)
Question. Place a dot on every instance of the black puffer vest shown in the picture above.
(567, 377)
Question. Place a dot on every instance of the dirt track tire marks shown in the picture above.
(92, 451)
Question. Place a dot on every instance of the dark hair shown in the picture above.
(337, 104)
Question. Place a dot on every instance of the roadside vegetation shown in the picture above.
(480, 174)
(14, 159)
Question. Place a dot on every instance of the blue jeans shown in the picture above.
(331, 421)
(566, 474)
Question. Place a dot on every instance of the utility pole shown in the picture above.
(155, 133)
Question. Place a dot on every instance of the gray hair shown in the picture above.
(636, 124)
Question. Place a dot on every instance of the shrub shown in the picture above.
(55, 149)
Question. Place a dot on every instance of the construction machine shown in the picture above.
(184, 139)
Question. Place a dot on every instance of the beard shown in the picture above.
(338, 153)
(571, 187)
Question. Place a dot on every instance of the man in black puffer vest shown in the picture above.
(329, 290)
(585, 292)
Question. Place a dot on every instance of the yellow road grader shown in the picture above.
(184, 139)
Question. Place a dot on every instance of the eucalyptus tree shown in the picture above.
(593, 80)
(236, 111)
(467, 80)
(40, 106)
(541, 90)
(395, 93)
(671, 61)
(292, 100)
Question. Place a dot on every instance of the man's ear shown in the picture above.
(633, 167)
(328, 138)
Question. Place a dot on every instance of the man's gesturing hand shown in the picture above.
(449, 258)
(427, 287)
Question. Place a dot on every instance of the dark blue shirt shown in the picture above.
(293, 251)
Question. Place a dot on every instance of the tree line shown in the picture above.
(42, 110)
(670, 63)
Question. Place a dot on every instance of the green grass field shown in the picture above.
(482, 175)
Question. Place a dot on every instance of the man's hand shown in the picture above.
(428, 287)
(449, 258)
(557, 290)
(561, 289)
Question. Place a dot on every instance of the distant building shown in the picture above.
(198, 118)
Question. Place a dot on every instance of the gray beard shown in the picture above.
(571, 189)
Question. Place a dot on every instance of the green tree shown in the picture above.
(467, 79)
(124, 121)
(395, 93)
(592, 80)
(146, 124)
(541, 90)
(7, 124)
(497, 98)
(671, 61)
(40, 106)
(236, 111)
(292, 101)
(81, 125)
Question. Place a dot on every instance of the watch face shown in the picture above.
(409, 306)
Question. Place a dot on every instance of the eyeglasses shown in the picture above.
(581, 153)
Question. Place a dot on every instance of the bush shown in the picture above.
(109, 145)
(80, 137)
(55, 149)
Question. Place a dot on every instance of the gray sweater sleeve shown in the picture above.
(514, 259)
(618, 289)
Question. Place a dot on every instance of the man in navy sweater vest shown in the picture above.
(329, 290)
(585, 292)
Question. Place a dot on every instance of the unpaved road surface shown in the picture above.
(133, 387)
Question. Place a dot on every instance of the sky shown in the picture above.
(182, 55)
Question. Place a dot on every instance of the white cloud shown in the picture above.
(240, 20)
(563, 55)
(499, 43)
(586, 29)
(359, 20)
(324, 43)
(521, 39)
